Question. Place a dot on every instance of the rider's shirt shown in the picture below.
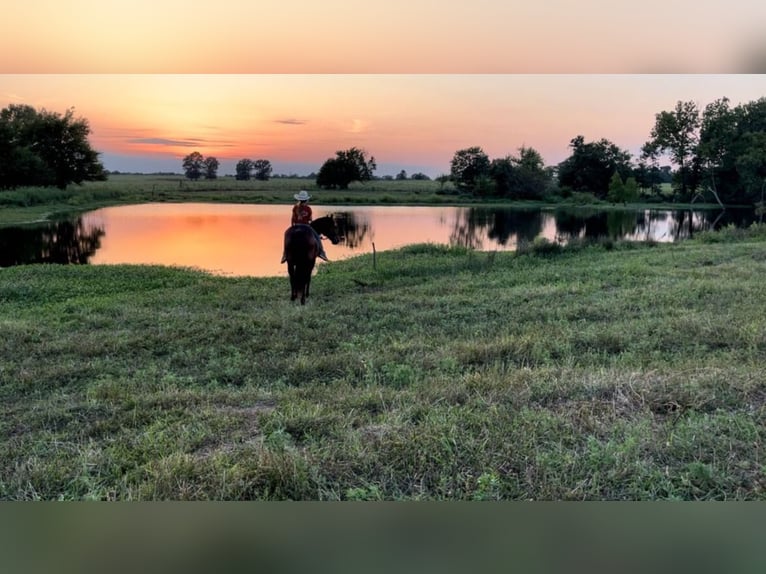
(301, 214)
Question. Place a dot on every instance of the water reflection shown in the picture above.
(351, 228)
(59, 242)
(233, 239)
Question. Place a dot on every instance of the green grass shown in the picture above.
(605, 372)
(31, 205)
(26, 206)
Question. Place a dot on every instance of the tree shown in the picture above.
(211, 168)
(502, 171)
(591, 165)
(243, 169)
(347, 166)
(530, 178)
(732, 148)
(616, 189)
(45, 148)
(467, 166)
(676, 132)
(401, 176)
(751, 166)
(193, 165)
(420, 176)
(262, 169)
(630, 190)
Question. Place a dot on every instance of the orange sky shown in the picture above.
(411, 122)
(411, 81)
(395, 36)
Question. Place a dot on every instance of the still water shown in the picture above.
(234, 239)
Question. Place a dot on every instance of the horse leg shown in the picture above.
(305, 289)
(293, 291)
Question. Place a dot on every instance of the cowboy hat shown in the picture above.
(302, 196)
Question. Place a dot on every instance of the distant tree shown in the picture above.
(676, 132)
(630, 190)
(211, 168)
(467, 166)
(262, 169)
(591, 165)
(243, 169)
(502, 171)
(530, 177)
(420, 176)
(402, 175)
(45, 148)
(193, 165)
(616, 189)
(646, 177)
(443, 179)
(347, 166)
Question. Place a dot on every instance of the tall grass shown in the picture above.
(588, 372)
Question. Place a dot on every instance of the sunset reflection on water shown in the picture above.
(246, 240)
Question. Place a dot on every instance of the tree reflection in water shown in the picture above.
(59, 242)
(500, 226)
(473, 226)
(480, 228)
(351, 227)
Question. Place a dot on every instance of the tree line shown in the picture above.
(719, 153)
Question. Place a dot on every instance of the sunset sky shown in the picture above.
(292, 81)
(412, 122)
(377, 36)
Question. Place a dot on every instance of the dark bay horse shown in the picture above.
(301, 250)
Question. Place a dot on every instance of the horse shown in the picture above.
(301, 250)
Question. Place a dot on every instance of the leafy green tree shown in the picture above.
(716, 138)
(738, 158)
(616, 189)
(347, 166)
(262, 169)
(630, 190)
(420, 176)
(243, 169)
(193, 165)
(211, 167)
(751, 166)
(401, 176)
(45, 148)
(502, 172)
(467, 166)
(591, 165)
(531, 178)
(676, 132)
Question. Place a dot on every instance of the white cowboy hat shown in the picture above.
(302, 196)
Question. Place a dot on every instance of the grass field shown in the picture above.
(32, 205)
(28, 206)
(592, 372)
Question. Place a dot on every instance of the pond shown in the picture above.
(246, 240)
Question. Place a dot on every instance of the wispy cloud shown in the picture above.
(168, 142)
(291, 122)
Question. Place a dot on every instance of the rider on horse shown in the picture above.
(302, 215)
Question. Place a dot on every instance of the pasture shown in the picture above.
(33, 204)
(594, 372)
